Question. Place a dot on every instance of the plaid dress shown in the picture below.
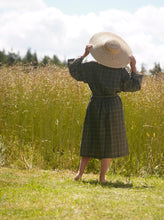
(104, 133)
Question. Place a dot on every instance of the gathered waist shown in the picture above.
(104, 96)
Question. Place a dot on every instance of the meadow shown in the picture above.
(41, 119)
(46, 194)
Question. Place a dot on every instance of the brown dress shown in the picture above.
(104, 133)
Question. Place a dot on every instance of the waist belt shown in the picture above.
(104, 96)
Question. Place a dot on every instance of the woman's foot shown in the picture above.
(104, 167)
(77, 177)
(103, 181)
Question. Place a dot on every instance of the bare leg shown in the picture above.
(104, 167)
(83, 163)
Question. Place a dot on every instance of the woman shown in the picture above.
(104, 134)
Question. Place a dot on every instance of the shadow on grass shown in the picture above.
(116, 184)
(110, 184)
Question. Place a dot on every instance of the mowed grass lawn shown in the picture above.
(39, 194)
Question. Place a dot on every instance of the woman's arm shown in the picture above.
(133, 64)
(77, 69)
(131, 83)
(87, 50)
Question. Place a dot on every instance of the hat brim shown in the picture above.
(103, 56)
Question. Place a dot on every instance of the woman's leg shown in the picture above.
(83, 163)
(104, 167)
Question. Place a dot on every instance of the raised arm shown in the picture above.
(77, 69)
(131, 83)
(133, 64)
(87, 50)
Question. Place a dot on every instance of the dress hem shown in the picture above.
(106, 156)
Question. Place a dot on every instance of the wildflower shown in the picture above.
(147, 134)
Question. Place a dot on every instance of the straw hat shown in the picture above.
(110, 50)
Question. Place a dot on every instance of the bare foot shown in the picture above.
(77, 177)
(103, 180)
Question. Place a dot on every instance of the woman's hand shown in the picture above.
(87, 50)
(133, 63)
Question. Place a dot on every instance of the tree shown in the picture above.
(12, 58)
(56, 61)
(34, 60)
(30, 58)
(46, 60)
(156, 70)
(2, 57)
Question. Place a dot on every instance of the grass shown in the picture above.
(41, 119)
(39, 194)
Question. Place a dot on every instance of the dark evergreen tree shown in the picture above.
(35, 60)
(12, 58)
(46, 60)
(3, 57)
(156, 70)
(56, 61)
(28, 57)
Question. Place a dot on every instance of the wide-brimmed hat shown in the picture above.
(110, 50)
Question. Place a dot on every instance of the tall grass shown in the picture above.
(42, 114)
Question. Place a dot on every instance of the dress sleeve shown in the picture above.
(131, 83)
(79, 70)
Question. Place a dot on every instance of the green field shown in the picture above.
(40, 194)
(41, 119)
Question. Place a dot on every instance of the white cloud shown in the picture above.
(48, 31)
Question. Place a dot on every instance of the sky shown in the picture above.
(64, 27)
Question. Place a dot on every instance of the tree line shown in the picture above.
(30, 58)
(156, 70)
